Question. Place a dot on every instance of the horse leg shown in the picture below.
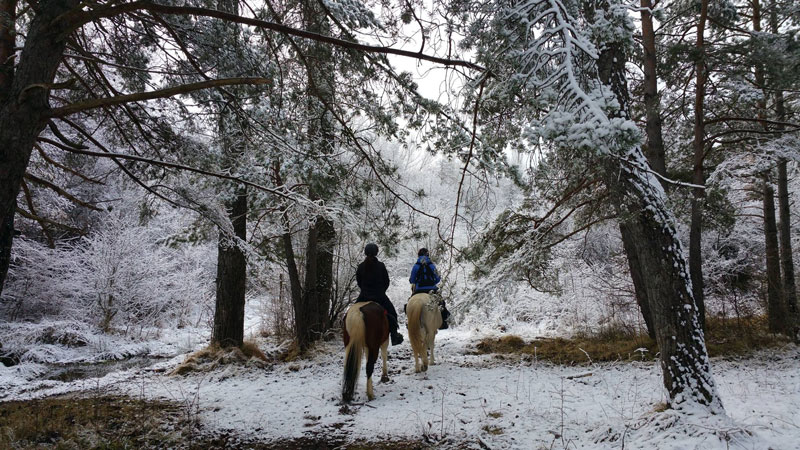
(384, 356)
(372, 356)
(424, 350)
(431, 340)
(418, 359)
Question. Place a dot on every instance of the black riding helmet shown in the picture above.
(371, 249)
(422, 251)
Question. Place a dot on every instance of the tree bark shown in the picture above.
(776, 312)
(7, 30)
(654, 150)
(784, 212)
(641, 203)
(698, 176)
(320, 246)
(311, 300)
(23, 114)
(301, 319)
(231, 277)
(231, 260)
(787, 264)
(320, 293)
(638, 277)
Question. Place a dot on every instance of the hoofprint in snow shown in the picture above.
(479, 401)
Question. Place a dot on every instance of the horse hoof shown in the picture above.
(424, 368)
(384, 379)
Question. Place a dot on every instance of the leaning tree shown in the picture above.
(559, 78)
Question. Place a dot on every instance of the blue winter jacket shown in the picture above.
(420, 261)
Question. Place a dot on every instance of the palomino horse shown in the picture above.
(365, 325)
(424, 319)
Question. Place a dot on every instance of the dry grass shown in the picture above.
(215, 356)
(492, 429)
(740, 336)
(251, 350)
(575, 350)
(724, 337)
(102, 422)
(112, 422)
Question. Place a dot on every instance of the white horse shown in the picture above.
(424, 319)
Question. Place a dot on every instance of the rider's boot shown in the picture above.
(397, 338)
(445, 315)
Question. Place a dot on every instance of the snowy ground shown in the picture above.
(471, 401)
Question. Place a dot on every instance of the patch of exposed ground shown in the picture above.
(724, 337)
(117, 422)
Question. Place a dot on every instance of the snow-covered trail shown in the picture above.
(469, 400)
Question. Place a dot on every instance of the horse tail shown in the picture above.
(414, 311)
(353, 352)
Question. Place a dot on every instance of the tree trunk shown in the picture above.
(787, 264)
(295, 288)
(698, 176)
(651, 233)
(322, 235)
(654, 151)
(776, 312)
(638, 277)
(231, 260)
(310, 332)
(323, 286)
(684, 359)
(23, 114)
(231, 277)
(7, 29)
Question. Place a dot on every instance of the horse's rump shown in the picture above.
(424, 318)
(365, 325)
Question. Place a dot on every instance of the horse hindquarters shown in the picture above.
(376, 337)
(417, 333)
(433, 320)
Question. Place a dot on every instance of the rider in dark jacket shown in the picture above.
(373, 280)
(424, 278)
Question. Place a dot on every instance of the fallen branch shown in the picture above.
(578, 375)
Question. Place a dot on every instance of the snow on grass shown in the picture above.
(470, 400)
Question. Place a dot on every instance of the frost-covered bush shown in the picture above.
(130, 281)
(38, 281)
(121, 276)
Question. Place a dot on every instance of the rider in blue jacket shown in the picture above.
(424, 278)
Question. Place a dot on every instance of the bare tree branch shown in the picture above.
(58, 190)
(77, 19)
(171, 165)
(160, 93)
(29, 200)
(30, 216)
